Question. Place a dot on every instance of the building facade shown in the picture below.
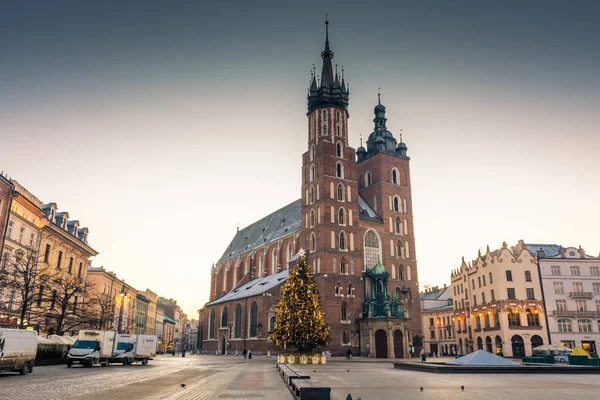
(437, 313)
(141, 314)
(158, 327)
(355, 213)
(498, 303)
(571, 284)
(168, 341)
(6, 195)
(151, 314)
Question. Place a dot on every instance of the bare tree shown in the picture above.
(103, 311)
(22, 275)
(65, 307)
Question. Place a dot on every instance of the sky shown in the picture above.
(161, 126)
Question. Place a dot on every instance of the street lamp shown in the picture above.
(122, 294)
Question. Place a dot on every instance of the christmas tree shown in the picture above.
(300, 322)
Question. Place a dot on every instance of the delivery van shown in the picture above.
(18, 348)
(91, 348)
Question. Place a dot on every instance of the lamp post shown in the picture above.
(122, 294)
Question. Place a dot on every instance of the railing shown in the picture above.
(493, 328)
(589, 314)
(525, 327)
(581, 295)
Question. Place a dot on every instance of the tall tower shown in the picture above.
(330, 217)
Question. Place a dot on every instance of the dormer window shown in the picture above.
(51, 215)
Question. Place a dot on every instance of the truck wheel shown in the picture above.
(25, 369)
(145, 361)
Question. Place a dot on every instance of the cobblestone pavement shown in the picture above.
(380, 381)
(205, 377)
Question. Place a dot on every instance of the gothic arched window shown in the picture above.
(400, 249)
(396, 203)
(341, 216)
(533, 318)
(312, 152)
(395, 176)
(274, 259)
(398, 225)
(350, 290)
(339, 149)
(238, 321)
(344, 312)
(368, 179)
(312, 218)
(340, 192)
(339, 170)
(313, 245)
(311, 193)
(289, 252)
(345, 337)
(372, 246)
(343, 267)
(272, 321)
(253, 319)
(312, 172)
(211, 325)
(224, 318)
(337, 122)
(342, 240)
(338, 289)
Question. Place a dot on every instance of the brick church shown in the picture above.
(354, 219)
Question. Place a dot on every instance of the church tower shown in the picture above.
(330, 217)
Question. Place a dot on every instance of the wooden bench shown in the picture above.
(289, 374)
(311, 389)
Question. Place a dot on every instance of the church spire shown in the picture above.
(327, 55)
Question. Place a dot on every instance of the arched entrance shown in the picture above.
(518, 347)
(381, 348)
(499, 350)
(398, 344)
(223, 345)
(479, 344)
(488, 344)
(536, 341)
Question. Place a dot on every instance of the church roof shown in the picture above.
(549, 249)
(366, 212)
(276, 225)
(254, 287)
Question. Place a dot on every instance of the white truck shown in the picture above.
(92, 347)
(132, 348)
(18, 348)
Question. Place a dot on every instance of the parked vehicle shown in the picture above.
(92, 347)
(134, 348)
(18, 348)
(563, 358)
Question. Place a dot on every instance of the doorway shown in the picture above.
(518, 347)
(589, 346)
(381, 348)
(223, 345)
(398, 344)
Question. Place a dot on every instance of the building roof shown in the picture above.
(254, 287)
(278, 224)
(366, 212)
(549, 249)
(434, 294)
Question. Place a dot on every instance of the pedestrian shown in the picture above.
(183, 352)
(347, 354)
(423, 358)
(245, 352)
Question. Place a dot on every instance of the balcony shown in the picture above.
(525, 328)
(493, 328)
(581, 295)
(572, 314)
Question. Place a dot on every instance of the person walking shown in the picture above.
(423, 358)
(244, 352)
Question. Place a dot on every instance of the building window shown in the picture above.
(350, 290)
(313, 245)
(514, 318)
(400, 249)
(253, 319)
(474, 299)
(578, 287)
(483, 277)
(345, 339)
(483, 297)
(509, 276)
(21, 233)
(31, 239)
(595, 271)
(339, 169)
(511, 293)
(491, 281)
(575, 271)
(368, 179)
(479, 281)
(312, 218)
(272, 321)
(312, 172)
(342, 241)
(343, 267)
(396, 203)
(80, 270)
(527, 276)
(596, 288)
(530, 294)
(312, 152)
(341, 216)
(555, 270)
(584, 325)
(581, 305)
(274, 261)
(395, 176)
(238, 321)
(558, 287)
(211, 325)
(492, 297)
(338, 149)
(9, 229)
(47, 253)
(344, 312)
(59, 262)
(340, 192)
(564, 325)
(71, 266)
(533, 318)
(561, 305)
(372, 249)
(398, 225)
